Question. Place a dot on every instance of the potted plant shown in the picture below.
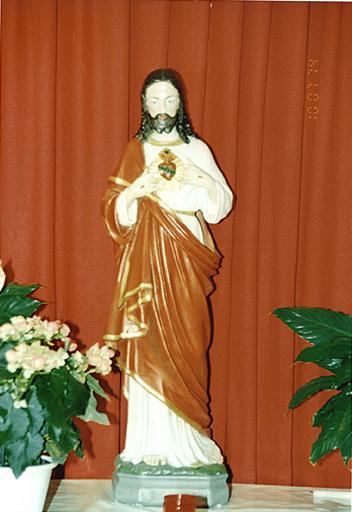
(45, 382)
(330, 336)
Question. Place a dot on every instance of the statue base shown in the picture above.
(148, 485)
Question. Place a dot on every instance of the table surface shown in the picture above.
(96, 496)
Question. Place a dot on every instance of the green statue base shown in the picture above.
(140, 484)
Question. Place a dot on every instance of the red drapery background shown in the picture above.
(269, 88)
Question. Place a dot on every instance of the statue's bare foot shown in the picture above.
(197, 464)
(155, 460)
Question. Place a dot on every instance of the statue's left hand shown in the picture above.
(194, 175)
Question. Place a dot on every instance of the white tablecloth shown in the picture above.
(96, 496)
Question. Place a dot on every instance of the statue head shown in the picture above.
(163, 106)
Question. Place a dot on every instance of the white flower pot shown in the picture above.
(26, 493)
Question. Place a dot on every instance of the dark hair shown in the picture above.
(183, 124)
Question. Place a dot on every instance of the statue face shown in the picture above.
(162, 98)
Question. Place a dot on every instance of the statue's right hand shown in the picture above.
(144, 185)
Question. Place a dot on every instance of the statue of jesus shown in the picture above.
(166, 188)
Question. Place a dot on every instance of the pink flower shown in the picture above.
(64, 330)
(53, 327)
(72, 347)
(100, 358)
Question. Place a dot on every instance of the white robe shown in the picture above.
(152, 428)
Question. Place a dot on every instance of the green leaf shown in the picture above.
(77, 397)
(14, 301)
(336, 431)
(311, 388)
(4, 425)
(24, 452)
(5, 411)
(5, 401)
(15, 456)
(62, 395)
(57, 380)
(49, 401)
(35, 412)
(5, 374)
(96, 387)
(92, 414)
(316, 325)
(344, 373)
(17, 305)
(13, 289)
(332, 364)
(62, 441)
(345, 434)
(18, 425)
(331, 334)
(336, 348)
(328, 438)
(336, 403)
(346, 447)
(56, 453)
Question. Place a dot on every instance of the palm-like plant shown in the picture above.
(330, 333)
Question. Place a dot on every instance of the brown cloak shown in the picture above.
(164, 278)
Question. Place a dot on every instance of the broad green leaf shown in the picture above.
(66, 437)
(57, 380)
(345, 434)
(35, 412)
(19, 290)
(4, 424)
(58, 447)
(336, 348)
(71, 395)
(24, 452)
(35, 446)
(51, 403)
(346, 447)
(327, 440)
(92, 414)
(316, 325)
(311, 388)
(18, 425)
(344, 373)
(17, 305)
(15, 456)
(332, 364)
(61, 396)
(96, 387)
(5, 374)
(56, 453)
(336, 433)
(77, 397)
(336, 403)
(5, 401)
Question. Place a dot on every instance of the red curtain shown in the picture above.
(269, 88)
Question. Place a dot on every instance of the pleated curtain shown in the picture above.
(269, 88)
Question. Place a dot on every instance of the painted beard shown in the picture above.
(163, 123)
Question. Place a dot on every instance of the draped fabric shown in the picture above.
(164, 279)
(269, 88)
